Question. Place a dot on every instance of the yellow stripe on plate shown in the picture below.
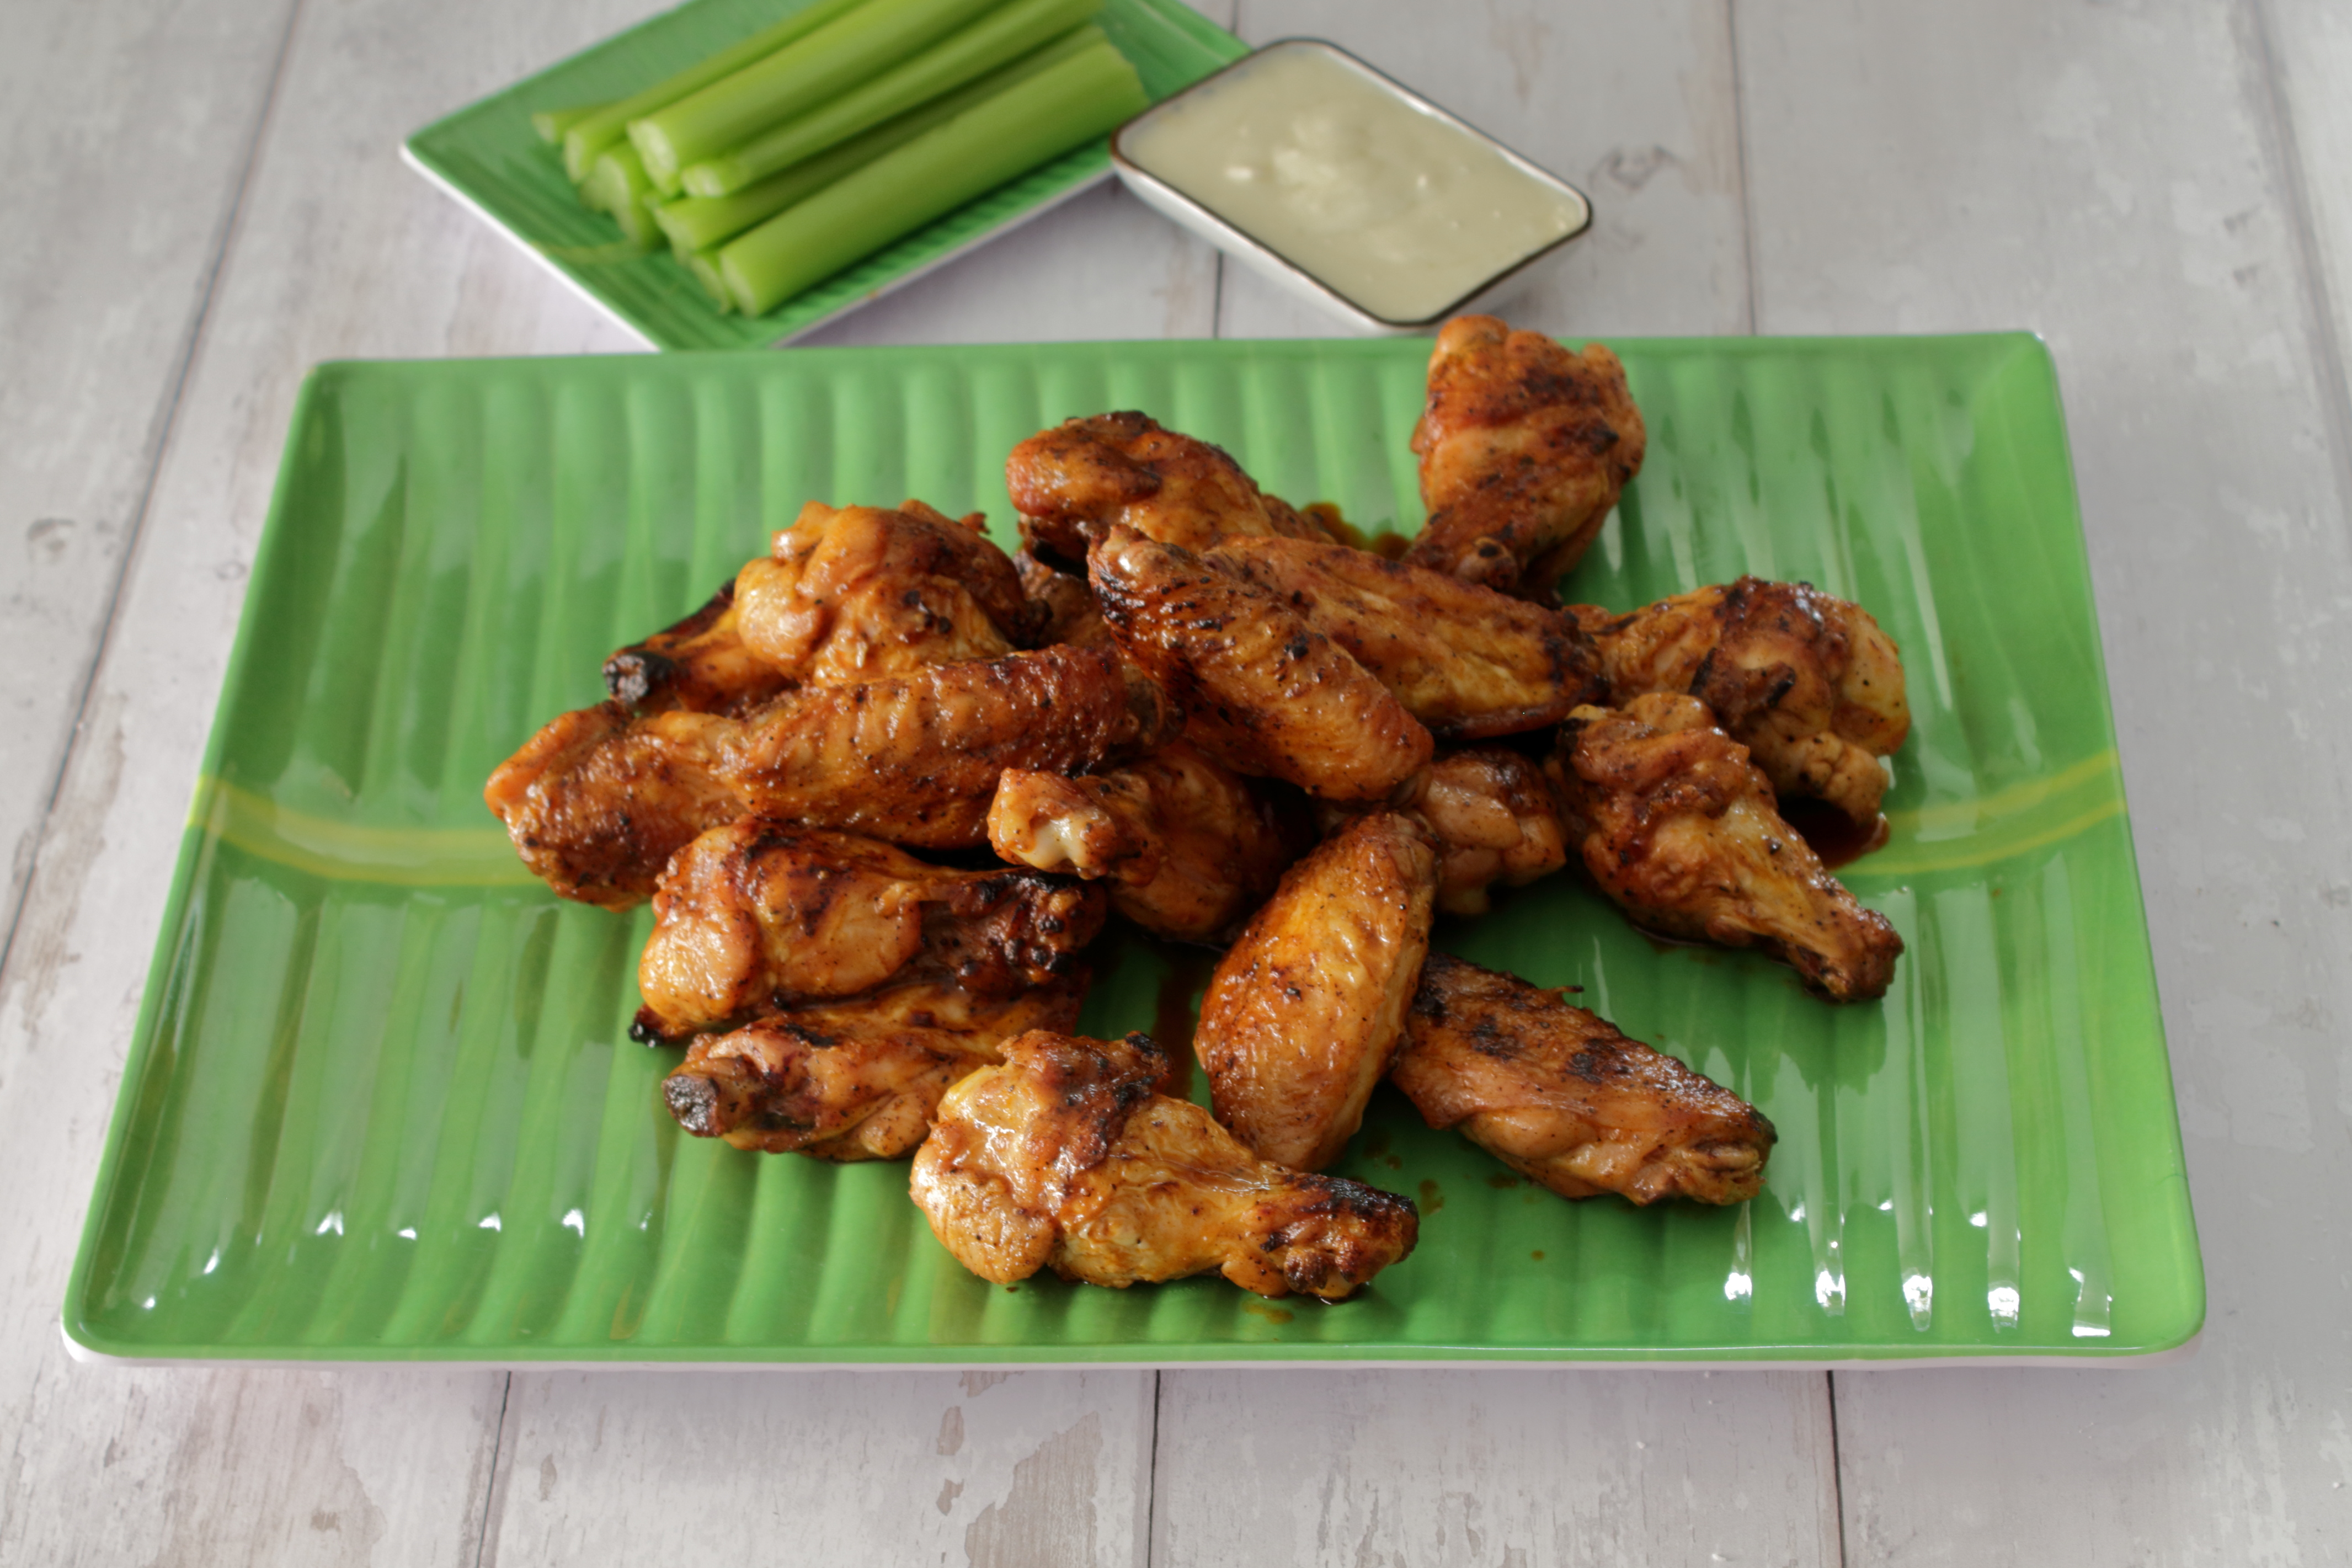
(351, 852)
(2029, 814)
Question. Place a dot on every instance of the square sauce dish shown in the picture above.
(1347, 187)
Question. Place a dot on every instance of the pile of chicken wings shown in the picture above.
(886, 788)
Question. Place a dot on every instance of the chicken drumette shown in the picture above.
(858, 1079)
(1524, 447)
(759, 917)
(1187, 847)
(857, 593)
(1807, 682)
(1065, 1158)
(1679, 827)
(1492, 817)
(1561, 1096)
(1305, 1011)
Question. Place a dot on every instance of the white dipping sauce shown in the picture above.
(1401, 211)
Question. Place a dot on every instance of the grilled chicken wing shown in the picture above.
(598, 801)
(1073, 483)
(1524, 447)
(1493, 815)
(1561, 1096)
(1187, 847)
(1466, 661)
(757, 916)
(701, 665)
(1679, 827)
(1265, 692)
(1305, 1011)
(1065, 1158)
(1808, 683)
(858, 1079)
(855, 593)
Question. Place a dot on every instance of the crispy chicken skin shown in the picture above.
(1492, 814)
(1187, 847)
(1466, 661)
(1679, 827)
(1807, 682)
(1558, 1095)
(1305, 1011)
(759, 916)
(700, 664)
(1265, 693)
(856, 1080)
(598, 802)
(1075, 482)
(1065, 1158)
(858, 592)
(1524, 447)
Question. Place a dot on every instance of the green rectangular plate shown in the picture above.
(380, 1104)
(488, 156)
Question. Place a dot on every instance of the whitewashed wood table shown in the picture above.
(206, 201)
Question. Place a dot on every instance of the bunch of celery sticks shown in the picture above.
(817, 141)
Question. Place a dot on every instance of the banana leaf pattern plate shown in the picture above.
(381, 1104)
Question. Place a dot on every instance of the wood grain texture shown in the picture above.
(1493, 1466)
(337, 250)
(129, 130)
(996, 1469)
(2114, 176)
(1523, 1467)
(1632, 104)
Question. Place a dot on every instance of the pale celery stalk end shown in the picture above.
(716, 178)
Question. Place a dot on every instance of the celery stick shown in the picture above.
(704, 265)
(617, 184)
(1067, 104)
(551, 123)
(592, 133)
(827, 62)
(1005, 35)
(699, 223)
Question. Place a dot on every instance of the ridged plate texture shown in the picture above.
(380, 1104)
(488, 155)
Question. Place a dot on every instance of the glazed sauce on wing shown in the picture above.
(1834, 835)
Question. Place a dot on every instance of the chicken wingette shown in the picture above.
(759, 916)
(1808, 683)
(1074, 483)
(1305, 1010)
(1065, 1158)
(1524, 447)
(598, 801)
(1186, 847)
(1466, 661)
(1680, 828)
(1265, 692)
(1561, 1096)
(856, 1080)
